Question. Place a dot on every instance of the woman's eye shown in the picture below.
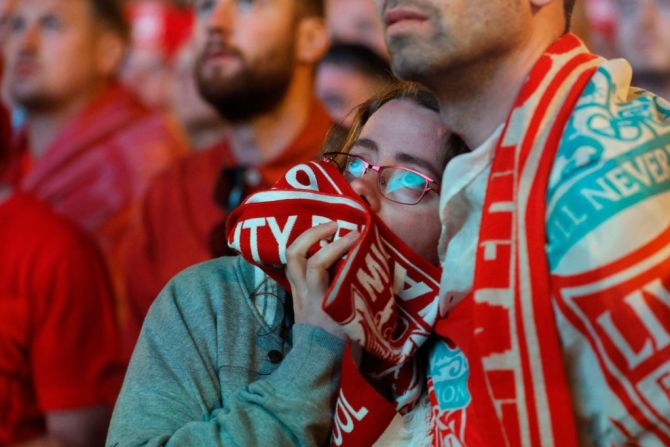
(356, 167)
(406, 180)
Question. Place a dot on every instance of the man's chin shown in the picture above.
(34, 102)
(217, 84)
(220, 73)
(407, 63)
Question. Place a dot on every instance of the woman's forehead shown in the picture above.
(403, 125)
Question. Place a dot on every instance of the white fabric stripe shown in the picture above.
(528, 315)
(275, 196)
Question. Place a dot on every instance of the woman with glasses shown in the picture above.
(228, 357)
(393, 157)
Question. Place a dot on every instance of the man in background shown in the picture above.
(355, 21)
(158, 29)
(347, 76)
(642, 36)
(61, 365)
(60, 358)
(89, 147)
(255, 65)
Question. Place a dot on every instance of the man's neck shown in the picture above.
(475, 100)
(266, 136)
(44, 125)
(205, 136)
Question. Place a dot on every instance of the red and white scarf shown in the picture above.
(382, 293)
(520, 395)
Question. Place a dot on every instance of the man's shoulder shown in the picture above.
(152, 133)
(129, 138)
(196, 168)
(29, 222)
(611, 110)
(125, 116)
(611, 121)
(611, 171)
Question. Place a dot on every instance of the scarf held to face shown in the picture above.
(382, 293)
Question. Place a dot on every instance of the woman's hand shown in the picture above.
(309, 276)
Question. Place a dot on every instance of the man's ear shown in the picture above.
(111, 48)
(312, 40)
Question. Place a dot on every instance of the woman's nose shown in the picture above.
(366, 187)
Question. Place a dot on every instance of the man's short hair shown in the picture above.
(568, 6)
(312, 8)
(361, 59)
(111, 13)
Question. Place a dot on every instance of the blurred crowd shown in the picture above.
(125, 145)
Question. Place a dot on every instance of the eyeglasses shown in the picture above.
(396, 183)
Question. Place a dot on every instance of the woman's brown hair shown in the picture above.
(339, 140)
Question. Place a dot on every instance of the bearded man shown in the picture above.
(255, 65)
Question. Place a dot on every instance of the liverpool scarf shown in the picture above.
(524, 388)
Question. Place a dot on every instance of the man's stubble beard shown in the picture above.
(448, 63)
(426, 61)
(410, 61)
(34, 100)
(253, 90)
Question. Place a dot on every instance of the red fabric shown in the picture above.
(159, 26)
(5, 127)
(101, 161)
(361, 414)
(58, 333)
(179, 213)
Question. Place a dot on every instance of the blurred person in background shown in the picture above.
(356, 21)
(159, 68)
(158, 29)
(255, 65)
(89, 146)
(6, 8)
(347, 76)
(201, 122)
(601, 18)
(60, 363)
(642, 36)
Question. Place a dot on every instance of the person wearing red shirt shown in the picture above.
(89, 146)
(255, 65)
(60, 368)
